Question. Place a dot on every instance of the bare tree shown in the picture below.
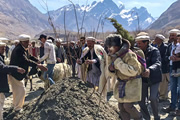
(104, 13)
(75, 17)
(49, 17)
(84, 16)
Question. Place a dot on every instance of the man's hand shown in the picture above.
(111, 67)
(172, 57)
(21, 70)
(39, 62)
(79, 61)
(89, 61)
(176, 59)
(58, 59)
(146, 73)
(43, 68)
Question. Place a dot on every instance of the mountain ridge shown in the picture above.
(169, 18)
(18, 17)
(105, 8)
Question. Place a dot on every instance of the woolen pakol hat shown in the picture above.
(2, 44)
(142, 34)
(90, 39)
(174, 31)
(160, 37)
(142, 38)
(59, 40)
(24, 37)
(16, 41)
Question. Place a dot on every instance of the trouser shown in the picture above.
(32, 72)
(175, 91)
(153, 99)
(73, 68)
(2, 99)
(49, 73)
(18, 90)
(163, 87)
(128, 111)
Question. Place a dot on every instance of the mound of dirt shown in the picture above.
(70, 99)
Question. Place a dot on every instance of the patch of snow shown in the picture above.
(149, 20)
(124, 14)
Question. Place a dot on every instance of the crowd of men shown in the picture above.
(136, 68)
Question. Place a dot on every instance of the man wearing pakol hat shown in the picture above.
(60, 52)
(4, 71)
(93, 64)
(72, 55)
(124, 65)
(151, 77)
(33, 49)
(162, 47)
(15, 43)
(175, 90)
(50, 57)
(20, 57)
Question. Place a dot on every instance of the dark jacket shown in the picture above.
(71, 54)
(168, 52)
(60, 53)
(4, 70)
(164, 63)
(80, 50)
(153, 62)
(88, 55)
(21, 57)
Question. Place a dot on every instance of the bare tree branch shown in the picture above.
(49, 17)
(84, 16)
(75, 16)
(104, 13)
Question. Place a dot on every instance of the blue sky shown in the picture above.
(155, 7)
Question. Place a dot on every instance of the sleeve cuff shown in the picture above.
(94, 61)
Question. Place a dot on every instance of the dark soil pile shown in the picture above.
(69, 99)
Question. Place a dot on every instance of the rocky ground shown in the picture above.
(68, 100)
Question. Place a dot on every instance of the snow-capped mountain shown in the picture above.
(96, 13)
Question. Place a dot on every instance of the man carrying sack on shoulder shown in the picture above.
(124, 65)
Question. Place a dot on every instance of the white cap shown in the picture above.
(49, 41)
(178, 34)
(33, 41)
(90, 39)
(72, 42)
(2, 44)
(141, 38)
(59, 40)
(174, 31)
(142, 34)
(160, 37)
(24, 37)
(16, 41)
